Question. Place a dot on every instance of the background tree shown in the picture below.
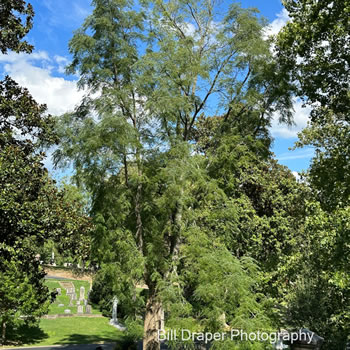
(16, 20)
(329, 170)
(264, 213)
(23, 297)
(313, 48)
(31, 208)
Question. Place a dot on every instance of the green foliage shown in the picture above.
(329, 170)
(313, 48)
(31, 208)
(149, 79)
(317, 286)
(108, 282)
(262, 212)
(12, 28)
(23, 295)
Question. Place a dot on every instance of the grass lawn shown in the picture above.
(68, 330)
(64, 299)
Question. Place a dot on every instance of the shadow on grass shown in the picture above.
(85, 339)
(123, 343)
(25, 335)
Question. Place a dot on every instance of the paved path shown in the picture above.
(106, 346)
(56, 278)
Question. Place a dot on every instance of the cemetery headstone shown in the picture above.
(59, 291)
(82, 293)
(78, 302)
(67, 311)
(88, 309)
(60, 305)
(74, 296)
(80, 309)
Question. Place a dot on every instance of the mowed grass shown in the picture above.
(67, 330)
(64, 299)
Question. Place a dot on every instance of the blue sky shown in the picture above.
(43, 71)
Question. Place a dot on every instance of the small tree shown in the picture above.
(23, 295)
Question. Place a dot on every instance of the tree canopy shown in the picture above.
(314, 48)
(16, 20)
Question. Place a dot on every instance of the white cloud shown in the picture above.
(296, 154)
(36, 73)
(189, 29)
(301, 117)
(62, 63)
(276, 25)
(296, 175)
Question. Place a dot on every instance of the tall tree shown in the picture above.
(31, 208)
(314, 49)
(149, 78)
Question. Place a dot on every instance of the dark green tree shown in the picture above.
(23, 297)
(314, 49)
(16, 20)
(32, 209)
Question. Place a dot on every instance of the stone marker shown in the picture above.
(82, 293)
(59, 291)
(74, 296)
(67, 311)
(85, 302)
(88, 309)
(78, 302)
(60, 305)
(80, 309)
(70, 291)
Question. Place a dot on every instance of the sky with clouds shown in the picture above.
(43, 71)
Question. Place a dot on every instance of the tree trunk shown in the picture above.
(3, 336)
(154, 322)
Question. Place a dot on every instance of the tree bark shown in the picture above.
(3, 336)
(154, 322)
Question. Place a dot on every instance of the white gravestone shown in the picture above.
(80, 309)
(88, 309)
(82, 293)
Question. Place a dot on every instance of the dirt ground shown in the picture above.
(65, 273)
